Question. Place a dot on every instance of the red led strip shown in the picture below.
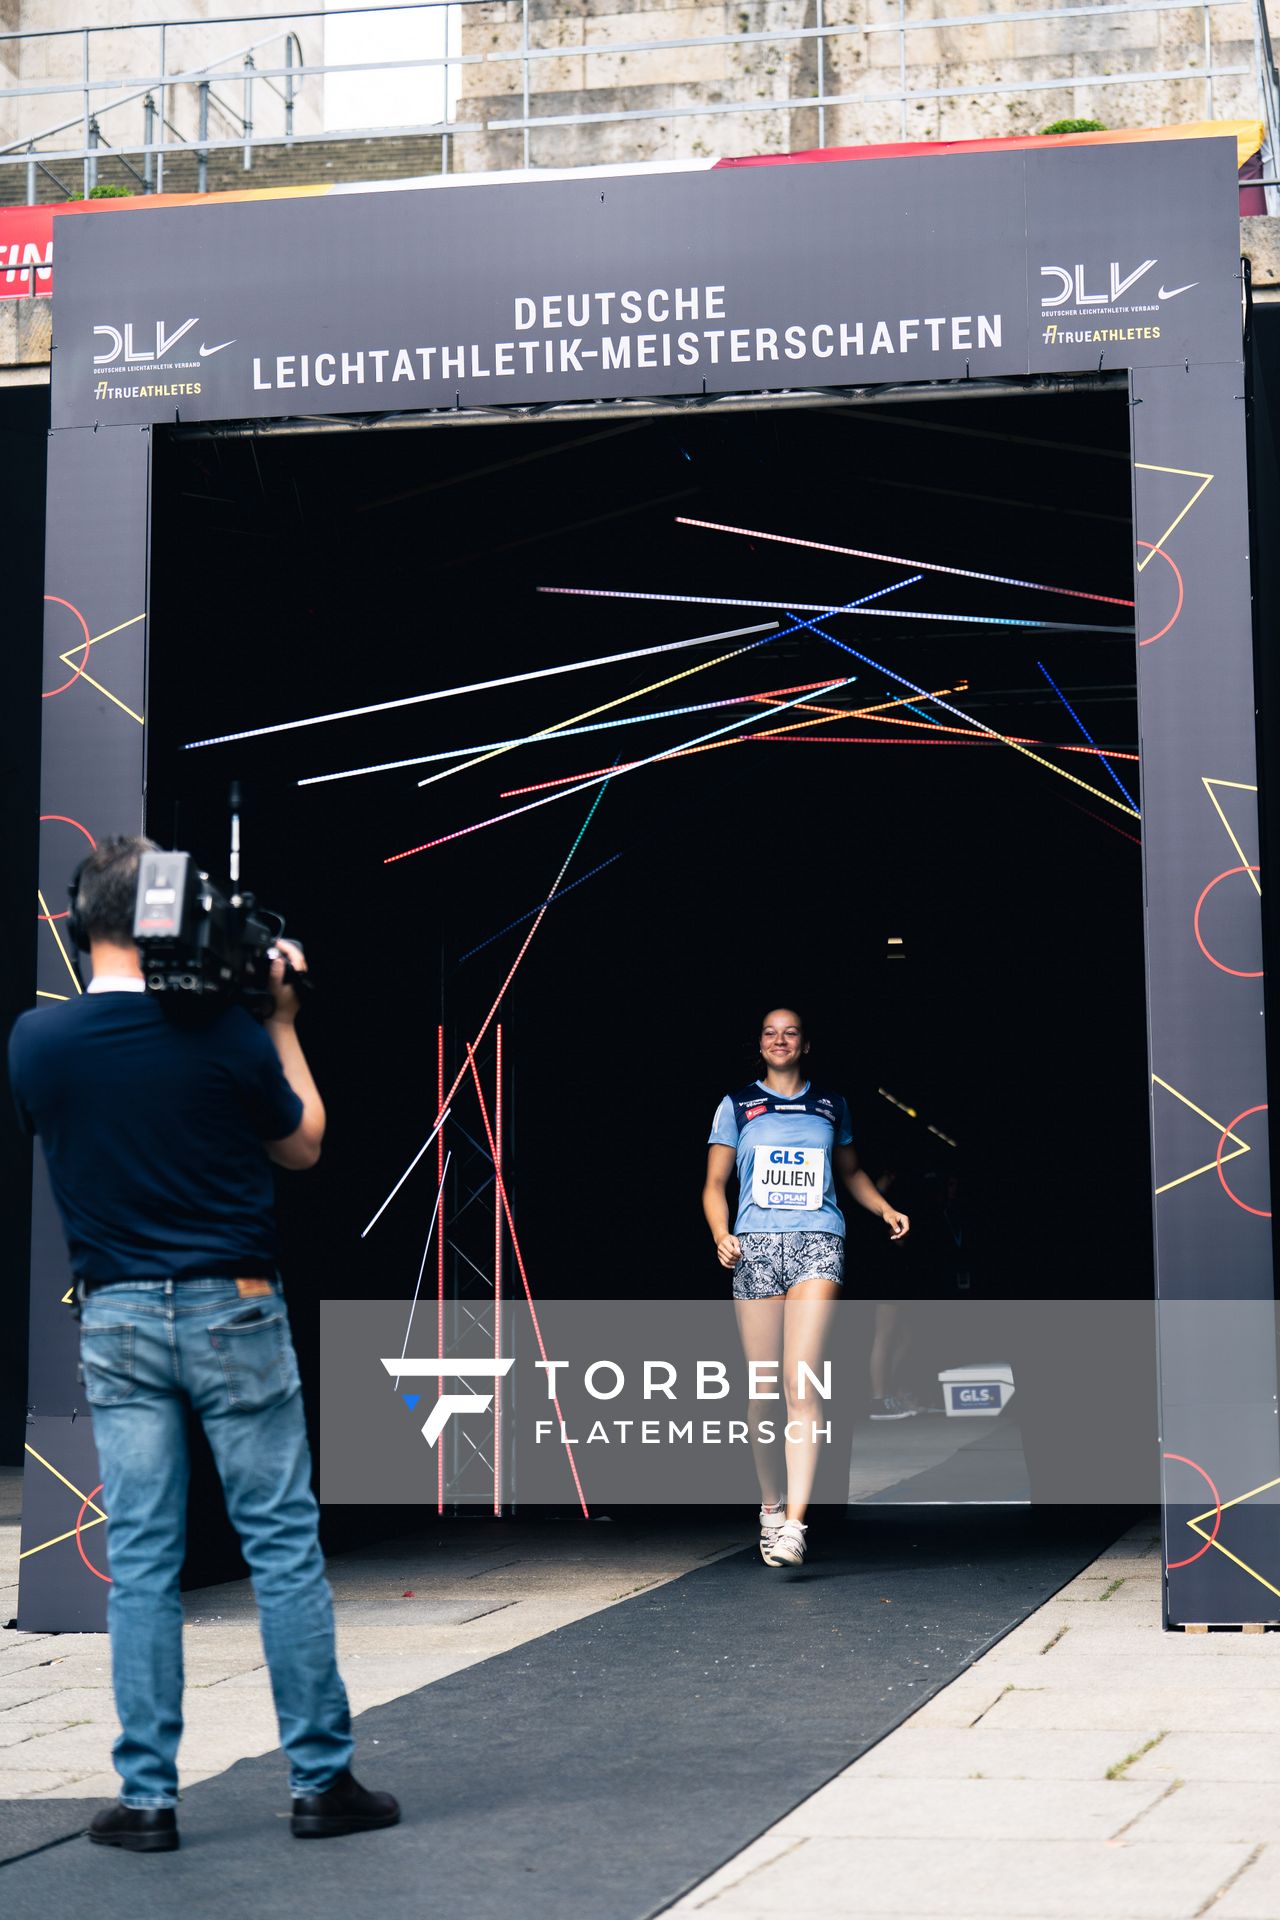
(528, 1292)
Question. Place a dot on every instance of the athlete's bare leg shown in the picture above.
(884, 1347)
(760, 1330)
(809, 1309)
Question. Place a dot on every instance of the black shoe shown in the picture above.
(344, 1807)
(139, 1829)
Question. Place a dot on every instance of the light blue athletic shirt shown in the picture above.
(783, 1148)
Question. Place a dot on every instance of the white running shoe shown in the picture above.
(771, 1519)
(787, 1548)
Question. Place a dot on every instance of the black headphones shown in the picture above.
(76, 929)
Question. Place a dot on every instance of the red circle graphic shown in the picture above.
(1170, 1565)
(1262, 1212)
(67, 821)
(1240, 974)
(87, 643)
(1177, 609)
(98, 1575)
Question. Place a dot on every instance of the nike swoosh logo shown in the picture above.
(206, 351)
(1163, 293)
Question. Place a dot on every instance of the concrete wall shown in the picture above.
(588, 75)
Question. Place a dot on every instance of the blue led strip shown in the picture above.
(969, 719)
(520, 920)
(1088, 736)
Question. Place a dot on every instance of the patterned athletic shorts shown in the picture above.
(772, 1263)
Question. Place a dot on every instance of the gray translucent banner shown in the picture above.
(609, 1402)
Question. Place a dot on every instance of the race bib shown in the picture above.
(788, 1177)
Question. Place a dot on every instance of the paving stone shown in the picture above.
(1165, 1705)
(945, 1753)
(46, 1781)
(55, 1748)
(963, 1702)
(1011, 1879)
(1105, 1667)
(21, 1691)
(859, 1805)
(61, 1703)
(1243, 1758)
(84, 1786)
(1218, 1809)
(14, 1732)
(1256, 1894)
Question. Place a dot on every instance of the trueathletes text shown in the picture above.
(624, 331)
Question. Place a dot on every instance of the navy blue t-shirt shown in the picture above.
(153, 1134)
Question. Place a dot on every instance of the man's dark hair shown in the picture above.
(108, 885)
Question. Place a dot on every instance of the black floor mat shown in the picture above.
(601, 1770)
(27, 1825)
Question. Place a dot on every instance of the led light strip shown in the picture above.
(524, 1278)
(1018, 739)
(440, 1120)
(825, 716)
(623, 699)
(956, 736)
(1088, 736)
(896, 560)
(477, 826)
(425, 1251)
(445, 1098)
(565, 732)
(981, 725)
(521, 918)
(676, 753)
(605, 706)
(474, 686)
(813, 606)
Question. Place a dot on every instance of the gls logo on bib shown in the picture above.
(788, 1177)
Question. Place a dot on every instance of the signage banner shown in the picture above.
(751, 279)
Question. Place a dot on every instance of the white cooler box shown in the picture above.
(970, 1391)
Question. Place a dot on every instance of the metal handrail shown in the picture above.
(141, 88)
(241, 63)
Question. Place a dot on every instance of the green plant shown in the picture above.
(109, 191)
(1075, 126)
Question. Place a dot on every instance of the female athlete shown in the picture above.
(790, 1142)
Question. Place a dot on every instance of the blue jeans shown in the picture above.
(149, 1349)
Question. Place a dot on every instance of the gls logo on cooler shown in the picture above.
(123, 351)
(1072, 287)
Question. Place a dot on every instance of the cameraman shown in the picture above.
(157, 1138)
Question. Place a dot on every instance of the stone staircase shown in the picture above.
(307, 162)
